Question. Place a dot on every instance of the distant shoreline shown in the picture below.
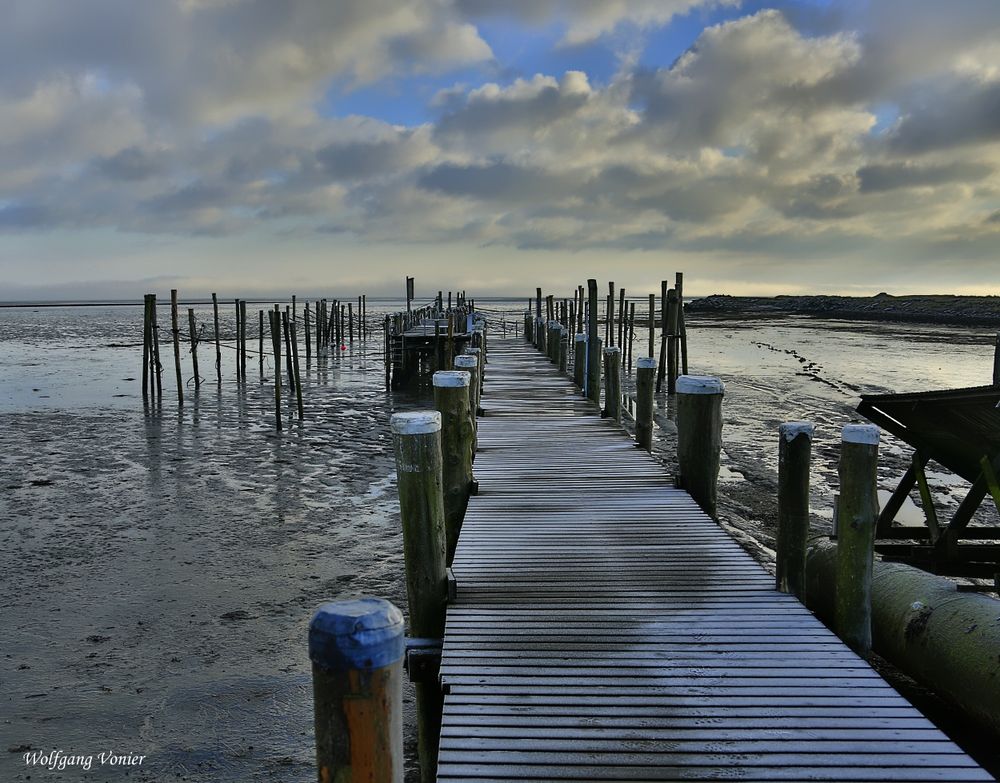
(937, 309)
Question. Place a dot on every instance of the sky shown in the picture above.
(255, 147)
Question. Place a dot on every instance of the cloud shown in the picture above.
(890, 176)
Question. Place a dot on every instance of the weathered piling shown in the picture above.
(417, 445)
(260, 343)
(275, 322)
(661, 370)
(681, 324)
(298, 375)
(857, 512)
(593, 347)
(193, 332)
(239, 341)
(350, 322)
(552, 341)
(794, 451)
(147, 343)
(243, 344)
(451, 399)
(480, 374)
(613, 383)
(218, 344)
(288, 351)
(356, 648)
(563, 349)
(644, 381)
(699, 437)
(996, 362)
(155, 330)
(579, 359)
(470, 364)
(652, 325)
(630, 337)
(672, 344)
(308, 342)
(176, 332)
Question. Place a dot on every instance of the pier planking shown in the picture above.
(605, 628)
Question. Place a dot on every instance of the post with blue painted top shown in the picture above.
(699, 437)
(417, 445)
(794, 451)
(356, 648)
(857, 511)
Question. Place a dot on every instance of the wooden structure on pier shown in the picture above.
(422, 341)
(960, 430)
(604, 628)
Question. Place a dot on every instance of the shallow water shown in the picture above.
(160, 565)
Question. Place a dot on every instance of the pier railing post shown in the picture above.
(857, 512)
(552, 341)
(451, 398)
(356, 648)
(645, 379)
(563, 349)
(579, 359)
(699, 437)
(593, 346)
(417, 445)
(613, 382)
(794, 451)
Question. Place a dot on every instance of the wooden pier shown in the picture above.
(604, 628)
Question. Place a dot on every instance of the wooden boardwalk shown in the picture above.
(604, 628)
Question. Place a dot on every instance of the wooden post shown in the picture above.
(350, 322)
(630, 337)
(672, 352)
(470, 364)
(288, 351)
(857, 511)
(451, 399)
(622, 321)
(682, 326)
(218, 345)
(275, 323)
(320, 325)
(239, 341)
(305, 322)
(243, 333)
(539, 323)
(343, 317)
(417, 445)
(387, 351)
(364, 317)
(996, 362)
(593, 347)
(260, 343)
(193, 331)
(644, 381)
(356, 648)
(579, 359)
(661, 370)
(155, 330)
(176, 332)
(146, 346)
(613, 382)
(794, 451)
(699, 437)
(298, 376)
(609, 332)
(652, 325)
(563, 349)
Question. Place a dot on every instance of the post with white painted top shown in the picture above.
(794, 451)
(580, 359)
(417, 444)
(857, 513)
(470, 364)
(699, 437)
(356, 648)
(613, 383)
(451, 398)
(552, 341)
(645, 378)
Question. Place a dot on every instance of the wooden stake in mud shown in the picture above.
(630, 338)
(417, 444)
(147, 342)
(356, 648)
(699, 437)
(661, 369)
(622, 320)
(275, 322)
(350, 321)
(364, 316)
(155, 329)
(288, 351)
(794, 450)
(857, 511)
(218, 345)
(644, 380)
(243, 342)
(652, 325)
(193, 330)
(176, 332)
(451, 398)
(613, 382)
(672, 352)
(305, 323)
(681, 325)
(239, 341)
(260, 344)
(295, 367)
(593, 347)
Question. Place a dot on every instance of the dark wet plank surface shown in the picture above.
(606, 629)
